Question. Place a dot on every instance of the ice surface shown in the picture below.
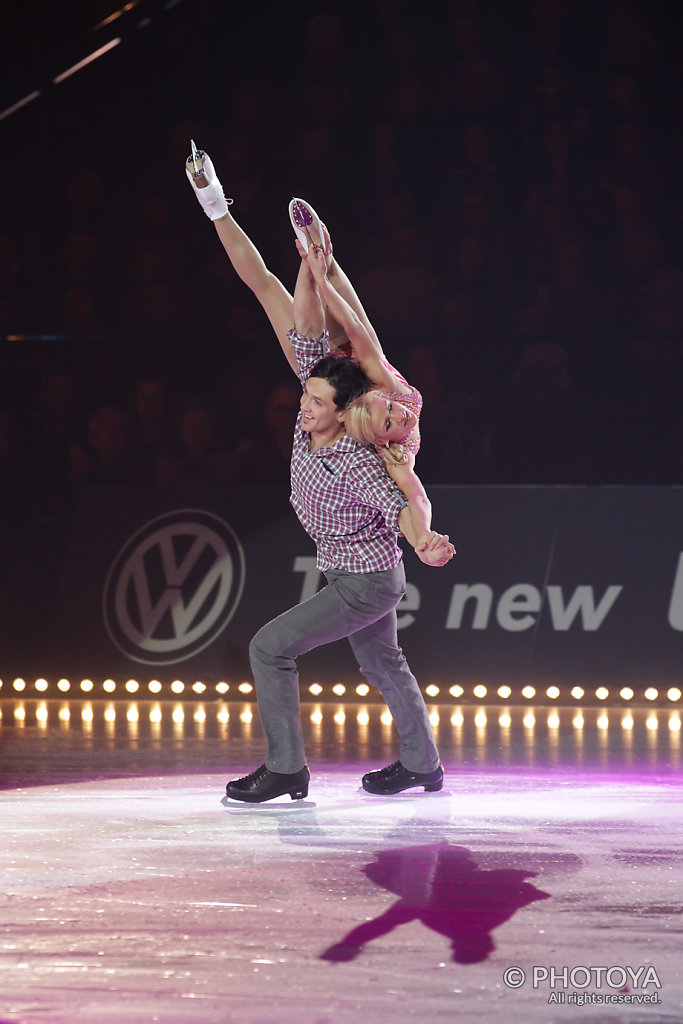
(131, 894)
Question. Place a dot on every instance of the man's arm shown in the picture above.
(412, 520)
(307, 352)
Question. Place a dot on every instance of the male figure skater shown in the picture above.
(348, 505)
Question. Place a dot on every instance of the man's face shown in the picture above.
(320, 414)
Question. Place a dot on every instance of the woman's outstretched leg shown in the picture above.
(276, 301)
(309, 314)
(310, 230)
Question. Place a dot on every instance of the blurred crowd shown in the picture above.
(501, 182)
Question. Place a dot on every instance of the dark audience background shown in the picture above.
(501, 179)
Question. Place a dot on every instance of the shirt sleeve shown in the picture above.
(373, 486)
(308, 351)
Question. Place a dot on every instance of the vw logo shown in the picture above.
(173, 587)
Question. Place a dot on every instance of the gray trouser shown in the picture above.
(362, 607)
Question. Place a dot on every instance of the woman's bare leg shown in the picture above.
(309, 314)
(276, 301)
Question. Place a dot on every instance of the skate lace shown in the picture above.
(258, 774)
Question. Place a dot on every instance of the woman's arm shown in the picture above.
(341, 284)
(415, 519)
(432, 548)
(412, 520)
(364, 346)
(419, 506)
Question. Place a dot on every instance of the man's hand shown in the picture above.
(434, 549)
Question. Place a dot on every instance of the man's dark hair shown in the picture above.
(345, 376)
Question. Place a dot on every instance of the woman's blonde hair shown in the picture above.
(359, 427)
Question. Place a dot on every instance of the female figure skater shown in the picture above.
(389, 415)
(344, 503)
(276, 301)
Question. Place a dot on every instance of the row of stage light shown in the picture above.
(653, 696)
(183, 716)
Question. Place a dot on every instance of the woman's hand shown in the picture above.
(435, 549)
(317, 263)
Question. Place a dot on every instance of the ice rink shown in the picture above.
(544, 883)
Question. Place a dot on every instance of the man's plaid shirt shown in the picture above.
(343, 496)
